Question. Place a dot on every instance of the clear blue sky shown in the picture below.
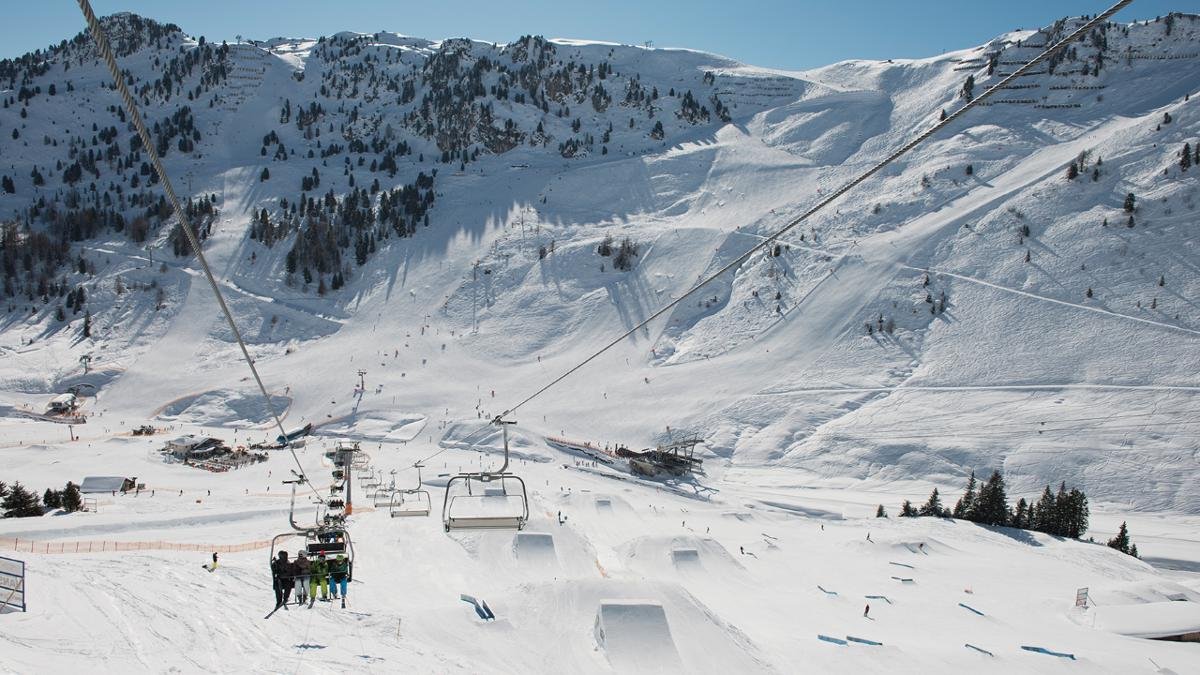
(776, 33)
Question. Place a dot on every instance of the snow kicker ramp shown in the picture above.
(635, 636)
(661, 556)
(617, 625)
(535, 548)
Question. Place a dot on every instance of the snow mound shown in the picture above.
(223, 407)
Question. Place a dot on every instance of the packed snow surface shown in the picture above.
(968, 309)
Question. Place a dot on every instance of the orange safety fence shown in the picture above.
(31, 546)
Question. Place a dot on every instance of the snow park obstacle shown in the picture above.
(905, 580)
(863, 641)
(635, 636)
(901, 565)
(971, 609)
(685, 558)
(826, 592)
(481, 607)
(536, 548)
(832, 640)
(981, 650)
(879, 597)
(1048, 652)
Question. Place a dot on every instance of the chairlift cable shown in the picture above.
(767, 241)
(148, 145)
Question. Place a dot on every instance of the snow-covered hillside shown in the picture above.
(434, 214)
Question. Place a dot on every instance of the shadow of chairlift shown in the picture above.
(486, 500)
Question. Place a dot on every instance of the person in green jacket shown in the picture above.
(339, 570)
(318, 572)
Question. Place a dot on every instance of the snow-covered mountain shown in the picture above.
(416, 235)
(971, 308)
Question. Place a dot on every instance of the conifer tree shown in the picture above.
(907, 510)
(1076, 521)
(52, 499)
(1046, 518)
(933, 507)
(20, 503)
(1021, 516)
(71, 500)
(1121, 541)
(881, 512)
(962, 509)
(991, 507)
(1185, 162)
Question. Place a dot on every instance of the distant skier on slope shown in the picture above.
(281, 573)
(211, 567)
(301, 578)
(339, 569)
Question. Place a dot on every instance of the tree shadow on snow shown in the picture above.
(1016, 534)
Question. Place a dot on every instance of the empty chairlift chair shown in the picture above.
(411, 502)
(487, 500)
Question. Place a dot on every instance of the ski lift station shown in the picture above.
(63, 403)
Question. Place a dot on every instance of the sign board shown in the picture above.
(12, 583)
(1081, 597)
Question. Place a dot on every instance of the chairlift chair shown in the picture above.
(487, 500)
(411, 502)
(332, 538)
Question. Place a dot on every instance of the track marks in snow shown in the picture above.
(1098, 310)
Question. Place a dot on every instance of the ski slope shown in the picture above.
(1058, 357)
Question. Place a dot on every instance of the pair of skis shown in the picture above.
(311, 602)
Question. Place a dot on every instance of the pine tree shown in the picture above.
(20, 503)
(962, 509)
(933, 507)
(71, 500)
(87, 324)
(1121, 541)
(265, 175)
(1076, 521)
(881, 512)
(1185, 162)
(968, 88)
(1130, 203)
(1046, 519)
(1072, 171)
(1133, 551)
(907, 510)
(1021, 517)
(1062, 511)
(52, 499)
(991, 507)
